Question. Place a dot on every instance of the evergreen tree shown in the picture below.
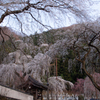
(74, 73)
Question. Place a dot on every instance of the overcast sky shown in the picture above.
(66, 20)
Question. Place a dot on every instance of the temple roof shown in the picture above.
(36, 83)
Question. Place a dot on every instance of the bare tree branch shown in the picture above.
(92, 40)
(90, 76)
(87, 52)
(13, 12)
(2, 35)
(20, 24)
(20, 11)
(38, 21)
(9, 38)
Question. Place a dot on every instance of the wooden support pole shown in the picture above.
(36, 95)
(56, 79)
(41, 95)
(56, 68)
(48, 86)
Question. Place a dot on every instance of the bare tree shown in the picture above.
(86, 48)
(37, 11)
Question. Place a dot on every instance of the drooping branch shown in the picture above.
(8, 4)
(2, 35)
(86, 72)
(92, 40)
(8, 37)
(13, 12)
(90, 76)
(40, 5)
(85, 56)
(83, 60)
(9, 12)
(95, 48)
(39, 21)
(21, 25)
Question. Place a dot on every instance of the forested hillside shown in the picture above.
(72, 46)
(64, 60)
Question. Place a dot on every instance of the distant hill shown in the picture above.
(56, 43)
(6, 32)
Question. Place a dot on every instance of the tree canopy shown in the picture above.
(41, 13)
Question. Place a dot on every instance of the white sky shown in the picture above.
(96, 9)
(66, 21)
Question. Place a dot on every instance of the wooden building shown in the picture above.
(34, 88)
